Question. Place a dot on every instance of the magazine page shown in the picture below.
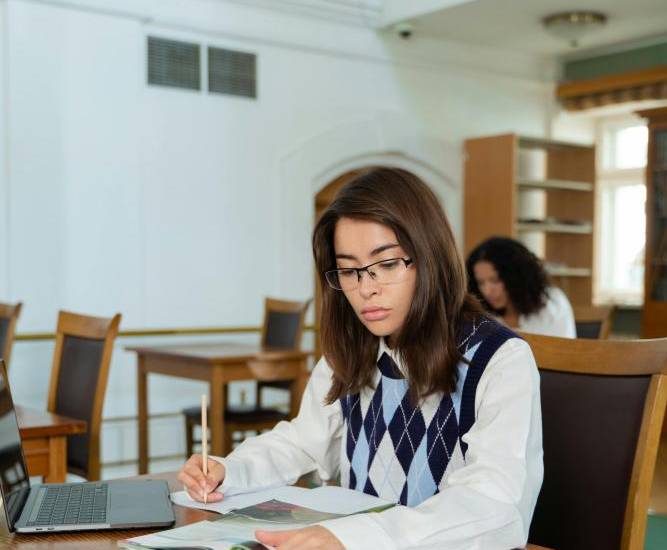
(236, 529)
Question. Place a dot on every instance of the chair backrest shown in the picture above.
(283, 323)
(79, 375)
(603, 403)
(593, 322)
(9, 314)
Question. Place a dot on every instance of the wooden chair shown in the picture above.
(593, 321)
(603, 403)
(9, 314)
(79, 375)
(282, 329)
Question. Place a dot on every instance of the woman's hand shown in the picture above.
(312, 538)
(197, 484)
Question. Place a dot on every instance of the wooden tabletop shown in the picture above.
(217, 352)
(106, 540)
(33, 423)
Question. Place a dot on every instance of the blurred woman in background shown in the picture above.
(511, 283)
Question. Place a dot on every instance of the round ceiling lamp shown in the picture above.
(573, 25)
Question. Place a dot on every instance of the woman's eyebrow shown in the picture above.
(374, 252)
(382, 248)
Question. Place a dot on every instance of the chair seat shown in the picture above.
(241, 415)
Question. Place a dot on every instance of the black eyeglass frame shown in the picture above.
(360, 270)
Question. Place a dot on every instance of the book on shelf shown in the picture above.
(241, 515)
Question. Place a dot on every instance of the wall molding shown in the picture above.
(365, 13)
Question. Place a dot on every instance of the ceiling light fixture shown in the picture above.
(573, 25)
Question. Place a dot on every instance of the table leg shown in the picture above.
(57, 460)
(217, 408)
(142, 414)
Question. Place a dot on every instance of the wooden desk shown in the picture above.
(217, 364)
(107, 540)
(44, 441)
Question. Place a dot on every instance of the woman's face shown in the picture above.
(491, 285)
(381, 308)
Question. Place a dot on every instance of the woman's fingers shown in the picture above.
(274, 538)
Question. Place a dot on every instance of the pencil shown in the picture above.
(204, 444)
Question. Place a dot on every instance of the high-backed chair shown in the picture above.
(282, 329)
(603, 403)
(593, 321)
(79, 375)
(9, 314)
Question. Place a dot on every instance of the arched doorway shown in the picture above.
(323, 199)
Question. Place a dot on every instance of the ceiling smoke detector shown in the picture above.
(573, 25)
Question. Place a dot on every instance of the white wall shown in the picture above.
(4, 154)
(183, 208)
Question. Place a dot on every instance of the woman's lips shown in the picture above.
(375, 313)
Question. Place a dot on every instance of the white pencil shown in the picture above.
(204, 443)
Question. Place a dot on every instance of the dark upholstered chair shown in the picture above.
(9, 314)
(603, 403)
(282, 330)
(593, 321)
(79, 377)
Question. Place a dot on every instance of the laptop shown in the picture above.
(52, 507)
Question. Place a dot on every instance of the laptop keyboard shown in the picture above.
(80, 503)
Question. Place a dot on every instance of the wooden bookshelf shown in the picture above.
(494, 182)
(654, 312)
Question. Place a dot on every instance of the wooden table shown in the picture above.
(44, 441)
(217, 364)
(106, 540)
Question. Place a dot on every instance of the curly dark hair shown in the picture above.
(519, 269)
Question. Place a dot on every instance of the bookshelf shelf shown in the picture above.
(569, 271)
(583, 229)
(555, 184)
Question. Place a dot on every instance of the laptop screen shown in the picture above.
(14, 481)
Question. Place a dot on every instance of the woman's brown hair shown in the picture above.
(427, 341)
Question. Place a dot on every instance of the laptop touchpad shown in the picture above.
(139, 502)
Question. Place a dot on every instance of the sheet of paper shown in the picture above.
(329, 498)
(286, 494)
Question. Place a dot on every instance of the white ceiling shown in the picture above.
(516, 24)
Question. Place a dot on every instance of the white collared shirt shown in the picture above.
(486, 504)
(554, 319)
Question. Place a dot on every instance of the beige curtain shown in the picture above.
(621, 88)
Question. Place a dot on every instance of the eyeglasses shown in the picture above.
(384, 272)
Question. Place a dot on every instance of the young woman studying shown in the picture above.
(419, 397)
(511, 283)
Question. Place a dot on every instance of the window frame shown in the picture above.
(612, 179)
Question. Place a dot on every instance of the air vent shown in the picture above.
(231, 72)
(173, 63)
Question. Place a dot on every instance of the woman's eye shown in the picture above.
(389, 265)
(346, 273)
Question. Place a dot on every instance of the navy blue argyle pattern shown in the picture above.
(402, 452)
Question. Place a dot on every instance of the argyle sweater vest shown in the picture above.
(403, 453)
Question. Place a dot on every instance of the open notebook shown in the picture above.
(242, 515)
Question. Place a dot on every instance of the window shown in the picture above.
(622, 148)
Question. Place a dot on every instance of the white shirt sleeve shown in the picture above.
(311, 441)
(488, 503)
(556, 318)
